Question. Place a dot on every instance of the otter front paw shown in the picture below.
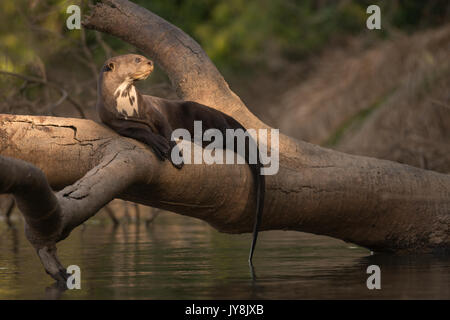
(160, 146)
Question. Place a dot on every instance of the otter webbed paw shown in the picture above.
(160, 146)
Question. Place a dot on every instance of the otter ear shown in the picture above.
(109, 67)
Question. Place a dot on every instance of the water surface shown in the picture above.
(183, 258)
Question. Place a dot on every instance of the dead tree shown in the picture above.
(378, 204)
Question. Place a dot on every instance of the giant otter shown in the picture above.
(151, 120)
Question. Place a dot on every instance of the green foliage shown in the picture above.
(28, 30)
(235, 33)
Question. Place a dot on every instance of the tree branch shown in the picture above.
(63, 92)
(50, 217)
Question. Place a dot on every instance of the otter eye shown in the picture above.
(137, 60)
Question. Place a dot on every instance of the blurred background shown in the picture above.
(310, 68)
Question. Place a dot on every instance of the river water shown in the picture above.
(183, 258)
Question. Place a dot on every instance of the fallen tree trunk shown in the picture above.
(323, 191)
(381, 205)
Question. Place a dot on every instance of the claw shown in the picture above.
(178, 166)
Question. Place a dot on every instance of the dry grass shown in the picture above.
(413, 126)
(390, 101)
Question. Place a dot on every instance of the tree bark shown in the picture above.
(378, 204)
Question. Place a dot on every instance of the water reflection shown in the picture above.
(183, 258)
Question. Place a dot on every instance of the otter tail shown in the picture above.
(260, 185)
(259, 181)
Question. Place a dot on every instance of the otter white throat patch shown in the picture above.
(126, 99)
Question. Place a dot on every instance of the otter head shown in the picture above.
(129, 67)
(117, 77)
